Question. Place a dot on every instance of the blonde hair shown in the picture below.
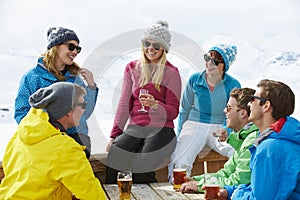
(49, 62)
(146, 75)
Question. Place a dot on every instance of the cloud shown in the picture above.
(24, 23)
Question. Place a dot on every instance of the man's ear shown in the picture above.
(267, 106)
(244, 114)
(70, 113)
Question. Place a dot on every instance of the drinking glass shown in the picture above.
(179, 172)
(218, 132)
(143, 92)
(211, 186)
(124, 180)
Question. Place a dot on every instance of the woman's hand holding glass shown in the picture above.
(147, 100)
(143, 96)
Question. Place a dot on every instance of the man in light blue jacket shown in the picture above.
(275, 156)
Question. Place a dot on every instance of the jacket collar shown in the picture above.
(44, 73)
(202, 79)
(56, 124)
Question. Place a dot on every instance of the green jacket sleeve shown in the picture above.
(236, 170)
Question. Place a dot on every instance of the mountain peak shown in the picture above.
(286, 58)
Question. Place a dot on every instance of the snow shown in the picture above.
(254, 62)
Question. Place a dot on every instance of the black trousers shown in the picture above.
(140, 150)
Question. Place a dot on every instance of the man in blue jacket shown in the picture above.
(275, 156)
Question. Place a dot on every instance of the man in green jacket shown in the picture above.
(236, 170)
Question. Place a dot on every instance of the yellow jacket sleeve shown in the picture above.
(75, 173)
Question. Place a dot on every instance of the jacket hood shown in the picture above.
(35, 127)
(290, 131)
(235, 139)
(246, 130)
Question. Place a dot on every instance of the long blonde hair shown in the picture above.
(147, 75)
(49, 62)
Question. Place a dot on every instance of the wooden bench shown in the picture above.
(214, 161)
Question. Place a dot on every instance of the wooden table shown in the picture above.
(151, 191)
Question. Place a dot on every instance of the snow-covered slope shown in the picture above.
(275, 58)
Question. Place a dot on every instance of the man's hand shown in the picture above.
(190, 186)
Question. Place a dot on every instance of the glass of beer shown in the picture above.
(211, 186)
(179, 172)
(124, 180)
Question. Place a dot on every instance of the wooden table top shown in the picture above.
(151, 191)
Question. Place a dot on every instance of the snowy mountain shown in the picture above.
(254, 62)
(285, 58)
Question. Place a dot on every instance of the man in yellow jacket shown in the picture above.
(41, 161)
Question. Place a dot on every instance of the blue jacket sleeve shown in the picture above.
(241, 192)
(90, 97)
(28, 85)
(187, 102)
(275, 169)
(275, 172)
(230, 190)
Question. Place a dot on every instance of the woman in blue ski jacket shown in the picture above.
(201, 109)
(56, 65)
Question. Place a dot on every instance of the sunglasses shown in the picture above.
(156, 46)
(214, 61)
(72, 46)
(229, 108)
(83, 105)
(262, 100)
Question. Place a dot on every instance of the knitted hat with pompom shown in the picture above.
(228, 53)
(160, 33)
(59, 35)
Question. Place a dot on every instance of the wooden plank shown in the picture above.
(165, 191)
(194, 196)
(144, 191)
(113, 192)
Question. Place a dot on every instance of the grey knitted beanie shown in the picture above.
(160, 33)
(57, 99)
